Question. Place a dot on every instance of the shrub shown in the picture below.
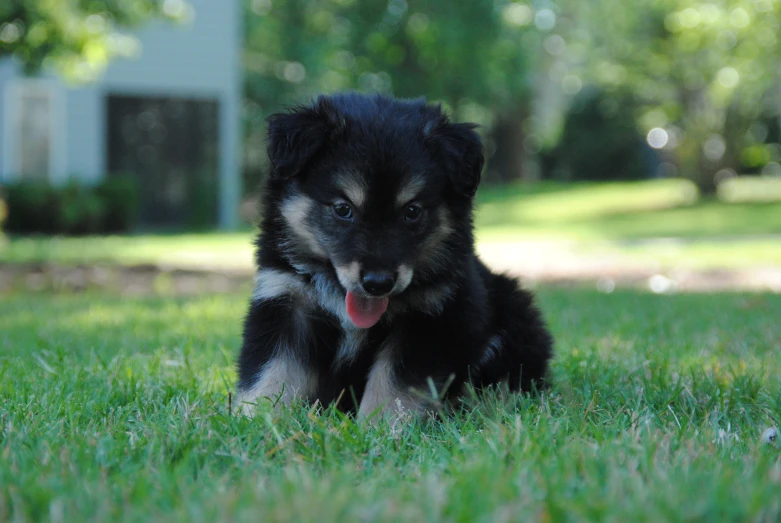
(31, 207)
(79, 209)
(120, 194)
(202, 194)
(36, 207)
(600, 141)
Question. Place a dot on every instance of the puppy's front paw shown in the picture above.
(394, 410)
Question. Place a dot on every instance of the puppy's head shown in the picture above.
(375, 190)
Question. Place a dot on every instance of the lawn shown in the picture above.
(740, 228)
(115, 409)
(218, 249)
(620, 211)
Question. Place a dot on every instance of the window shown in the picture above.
(171, 146)
(32, 104)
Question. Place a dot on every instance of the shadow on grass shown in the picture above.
(626, 327)
(76, 326)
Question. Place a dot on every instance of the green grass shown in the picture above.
(196, 249)
(618, 211)
(114, 409)
(694, 253)
(602, 214)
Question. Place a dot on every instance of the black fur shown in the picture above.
(484, 329)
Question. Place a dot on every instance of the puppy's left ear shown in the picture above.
(462, 153)
(295, 138)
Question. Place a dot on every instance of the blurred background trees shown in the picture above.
(704, 74)
(566, 90)
(480, 58)
(77, 38)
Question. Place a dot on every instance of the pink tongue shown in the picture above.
(365, 312)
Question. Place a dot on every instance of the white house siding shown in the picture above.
(84, 133)
(7, 72)
(196, 60)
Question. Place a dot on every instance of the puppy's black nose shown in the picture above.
(378, 283)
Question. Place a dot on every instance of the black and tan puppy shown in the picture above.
(368, 287)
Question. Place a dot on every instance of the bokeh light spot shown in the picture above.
(657, 138)
(174, 8)
(261, 7)
(571, 84)
(728, 77)
(517, 14)
(294, 72)
(714, 147)
(545, 19)
(555, 45)
(739, 18)
(10, 32)
(689, 18)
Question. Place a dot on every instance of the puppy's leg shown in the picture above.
(275, 359)
(521, 349)
(386, 394)
(421, 354)
(282, 378)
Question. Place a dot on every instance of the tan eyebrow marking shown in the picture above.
(409, 190)
(353, 186)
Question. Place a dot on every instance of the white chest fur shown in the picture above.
(350, 345)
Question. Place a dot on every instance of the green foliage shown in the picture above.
(30, 206)
(704, 71)
(116, 408)
(600, 141)
(74, 208)
(77, 37)
(79, 209)
(119, 196)
(201, 206)
(477, 57)
(601, 217)
(459, 52)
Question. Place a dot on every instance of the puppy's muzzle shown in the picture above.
(378, 283)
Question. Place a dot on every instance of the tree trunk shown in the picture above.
(508, 162)
(705, 178)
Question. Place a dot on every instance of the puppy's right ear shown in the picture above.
(296, 137)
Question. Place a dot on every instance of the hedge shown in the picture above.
(75, 208)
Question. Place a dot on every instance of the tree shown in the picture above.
(77, 38)
(478, 57)
(703, 72)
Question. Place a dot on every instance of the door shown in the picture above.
(170, 145)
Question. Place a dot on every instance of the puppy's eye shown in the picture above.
(412, 213)
(343, 211)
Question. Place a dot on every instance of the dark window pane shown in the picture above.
(171, 146)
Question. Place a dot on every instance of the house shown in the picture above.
(169, 117)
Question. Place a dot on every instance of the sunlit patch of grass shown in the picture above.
(698, 253)
(619, 211)
(751, 189)
(709, 218)
(193, 249)
(580, 201)
(580, 212)
(115, 409)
